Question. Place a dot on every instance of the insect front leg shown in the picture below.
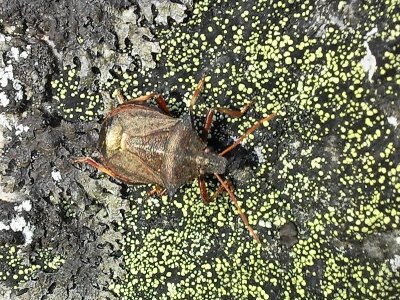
(234, 113)
(207, 124)
(230, 112)
(203, 190)
(197, 92)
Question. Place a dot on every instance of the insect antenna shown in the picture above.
(223, 183)
(239, 209)
(247, 133)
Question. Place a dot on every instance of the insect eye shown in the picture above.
(208, 150)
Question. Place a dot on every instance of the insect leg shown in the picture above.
(207, 124)
(203, 190)
(120, 97)
(197, 92)
(247, 133)
(159, 99)
(95, 164)
(162, 104)
(143, 98)
(233, 112)
(239, 209)
(221, 189)
(157, 190)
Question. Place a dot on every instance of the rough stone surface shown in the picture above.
(320, 184)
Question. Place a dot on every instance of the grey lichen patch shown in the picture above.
(138, 37)
(165, 9)
(66, 229)
(90, 32)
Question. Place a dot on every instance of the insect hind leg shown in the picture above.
(141, 99)
(90, 161)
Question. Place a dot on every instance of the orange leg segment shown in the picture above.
(197, 92)
(230, 112)
(233, 112)
(162, 104)
(207, 124)
(203, 190)
(157, 190)
(95, 164)
(159, 99)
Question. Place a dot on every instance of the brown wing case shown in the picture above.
(133, 142)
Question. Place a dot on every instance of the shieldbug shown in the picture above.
(142, 144)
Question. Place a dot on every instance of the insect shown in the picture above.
(142, 144)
